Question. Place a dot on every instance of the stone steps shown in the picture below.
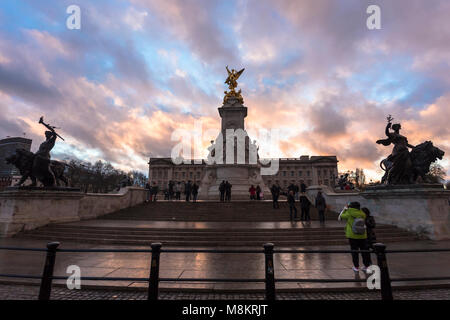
(208, 243)
(211, 211)
(206, 224)
(207, 237)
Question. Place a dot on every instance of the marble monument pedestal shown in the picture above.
(421, 208)
(240, 176)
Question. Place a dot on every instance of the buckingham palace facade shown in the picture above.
(314, 170)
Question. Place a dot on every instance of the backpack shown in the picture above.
(359, 226)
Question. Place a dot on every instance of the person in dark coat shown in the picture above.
(275, 190)
(292, 208)
(222, 191)
(155, 190)
(188, 190)
(228, 187)
(194, 192)
(149, 192)
(370, 226)
(305, 205)
(302, 188)
(258, 192)
(321, 206)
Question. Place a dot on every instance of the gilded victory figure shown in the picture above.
(233, 76)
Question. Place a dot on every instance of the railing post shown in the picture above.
(386, 289)
(47, 274)
(153, 282)
(270, 274)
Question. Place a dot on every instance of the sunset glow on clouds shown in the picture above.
(140, 69)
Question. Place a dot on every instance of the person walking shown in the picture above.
(356, 233)
(370, 226)
(222, 191)
(252, 192)
(258, 192)
(292, 208)
(194, 192)
(275, 190)
(228, 187)
(305, 205)
(321, 206)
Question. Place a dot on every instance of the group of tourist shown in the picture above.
(305, 206)
(225, 191)
(359, 230)
(174, 191)
(256, 193)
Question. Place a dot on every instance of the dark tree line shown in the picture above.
(101, 177)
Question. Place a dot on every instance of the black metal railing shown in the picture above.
(153, 280)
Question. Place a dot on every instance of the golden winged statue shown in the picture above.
(233, 76)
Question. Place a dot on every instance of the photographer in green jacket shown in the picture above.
(355, 231)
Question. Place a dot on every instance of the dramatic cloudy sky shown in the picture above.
(140, 69)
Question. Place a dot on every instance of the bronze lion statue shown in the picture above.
(23, 160)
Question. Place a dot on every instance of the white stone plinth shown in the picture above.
(240, 176)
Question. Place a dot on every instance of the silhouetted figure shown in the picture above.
(148, 197)
(321, 206)
(302, 187)
(155, 190)
(305, 206)
(258, 192)
(194, 192)
(292, 208)
(222, 191)
(228, 187)
(188, 190)
(178, 189)
(370, 226)
(252, 191)
(275, 190)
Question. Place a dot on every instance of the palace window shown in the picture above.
(300, 173)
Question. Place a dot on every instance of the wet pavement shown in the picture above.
(26, 292)
(225, 265)
(203, 225)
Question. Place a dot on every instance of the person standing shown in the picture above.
(321, 206)
(171, 191)
(222, 191)
(228, 187)
(302, 187)
(178, 190)
(292, 208)
(252, 192)
(356, 233)
(188, 190)
(155, 190)
(370, 226)
(194, 192)
(305, 205)
(149, 192)
(275, 190)
(296, 191)
(258, 192)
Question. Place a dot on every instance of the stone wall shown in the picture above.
(423, 209)
(22, 210)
